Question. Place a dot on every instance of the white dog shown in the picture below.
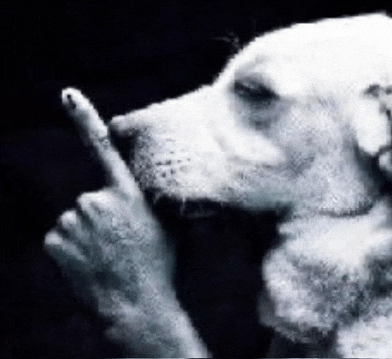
(297, 122)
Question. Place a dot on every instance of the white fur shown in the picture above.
(308, 151)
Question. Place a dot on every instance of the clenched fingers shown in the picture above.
(66, 253)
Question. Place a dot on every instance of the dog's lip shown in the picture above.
(186, 209)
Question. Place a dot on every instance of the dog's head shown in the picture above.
(299, 119)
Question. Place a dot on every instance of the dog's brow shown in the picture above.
(253, 73)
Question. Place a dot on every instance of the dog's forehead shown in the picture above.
(340, 53)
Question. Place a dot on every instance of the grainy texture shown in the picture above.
(123, 57)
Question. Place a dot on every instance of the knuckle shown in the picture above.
(87, 201)
(67, 219)
(52, 238)
(66, 253)
(94, 201)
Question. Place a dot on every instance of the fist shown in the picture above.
(111, 245)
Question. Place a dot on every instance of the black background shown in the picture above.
(123, 55)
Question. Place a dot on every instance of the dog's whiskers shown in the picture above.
(182, 206)
(156, 198)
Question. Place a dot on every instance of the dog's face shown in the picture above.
(291, 122)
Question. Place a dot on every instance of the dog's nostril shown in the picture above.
(125, 146)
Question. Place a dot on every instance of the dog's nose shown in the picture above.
(121, 126)
(128, 125)
(123, 135)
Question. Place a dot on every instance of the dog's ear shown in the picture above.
(375, 138)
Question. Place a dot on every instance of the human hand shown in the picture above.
(116, 255)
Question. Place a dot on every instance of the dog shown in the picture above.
(298, 122)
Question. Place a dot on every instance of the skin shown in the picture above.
(115, 253)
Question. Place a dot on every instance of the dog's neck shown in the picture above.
(344, 237)
(322, 267)
(300, 220)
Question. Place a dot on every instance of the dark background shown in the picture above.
(123, 55)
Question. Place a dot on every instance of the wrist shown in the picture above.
(154, 326)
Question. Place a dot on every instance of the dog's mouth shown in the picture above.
(183, 209)
(166, 205)
(171, 206)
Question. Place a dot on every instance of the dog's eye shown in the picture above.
(253, 90)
